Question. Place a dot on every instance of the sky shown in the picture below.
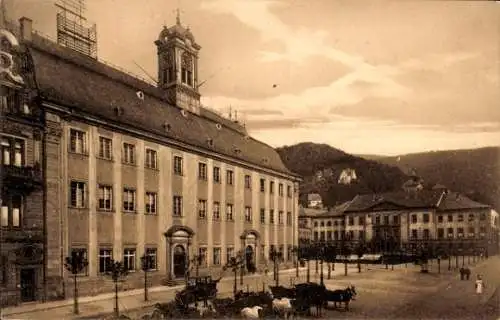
(367, 77)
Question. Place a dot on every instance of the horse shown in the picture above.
(283, 292)
(345, 296)
(283, 306)
(310, 294)
(251, 313)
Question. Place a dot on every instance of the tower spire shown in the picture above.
(178, 18)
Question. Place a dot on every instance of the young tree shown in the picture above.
(234, 264)
(75, 264)
(146, 265)
(116, 272)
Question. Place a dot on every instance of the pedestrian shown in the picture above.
(479, 287)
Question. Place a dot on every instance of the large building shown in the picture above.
(407, 217)
(134, 170)
(21, 215)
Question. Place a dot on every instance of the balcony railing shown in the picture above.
(22, 235)
(22, 177)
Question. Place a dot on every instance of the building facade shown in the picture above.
(135, 170)
(396, 220)
(21, 215)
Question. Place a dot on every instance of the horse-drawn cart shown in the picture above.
(198, 289)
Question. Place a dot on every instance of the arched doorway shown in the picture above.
(179, 242)
(179, 261)
(249, 258)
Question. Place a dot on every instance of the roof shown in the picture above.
(87, 86)
(337, 211)
(313, 197)
(423, 199)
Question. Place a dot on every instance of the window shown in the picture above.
(177, 207)
(262, 185)
(229, 254)
(460, 232)
(216, 256)
(471, 217)
(271, 216)
(248, 214)
(322, 224)
(77, 141)
(316, 236)
(271, 187)
(178, 165)
(413, 218)
(202, 209)
(289, 191)
(440, 219)
(202, 171)
(129, 259)
(151, 254)
(105, 260)
(328, 235)
(426, 218)
(440, 233)
(150, 202)
(450, 218)
(105, 194)
(315, 223)
(450, 232)
(216, 211)
(426, 234)
(386, 220)
(361, 221)
(472, 231)
(248, 182)
(362, 235)
(280, 217)
(80, 253)
(105, 148)
(128, 200)
(216, 174)
(482, 217)
(482, 231)
(460, 218)
(262, 216)
(13, 152)
(229, 212)
(202, 252)
(128, 153)
(262, 253)
(414, 234)
(12, 207)
(351, 221)
(280, 190)
(289, 218)
(77, 194)
(151, 159)
(230, 177)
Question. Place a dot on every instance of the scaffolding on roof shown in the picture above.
(71, 29)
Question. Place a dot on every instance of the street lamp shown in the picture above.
(276, 257)
(146, 265)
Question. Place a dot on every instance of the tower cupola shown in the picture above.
(178, 66)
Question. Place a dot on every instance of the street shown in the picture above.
(382, 294)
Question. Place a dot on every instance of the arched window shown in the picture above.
(168, 70)
(187, 69)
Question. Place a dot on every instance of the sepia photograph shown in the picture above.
(249, 159)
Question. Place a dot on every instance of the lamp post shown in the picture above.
(276, 257)
(146, 265)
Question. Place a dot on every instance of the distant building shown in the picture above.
(415, 183)
(314, 201)
(408, 218)
(347, 176)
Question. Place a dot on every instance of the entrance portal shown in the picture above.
(179, 261)
(28, 285)
(249, 259)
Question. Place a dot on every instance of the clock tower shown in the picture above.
(178, 66)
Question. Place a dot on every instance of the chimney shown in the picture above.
(26, 28)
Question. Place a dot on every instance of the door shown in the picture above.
(179, 261)
(28, 285)
(249, 259)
